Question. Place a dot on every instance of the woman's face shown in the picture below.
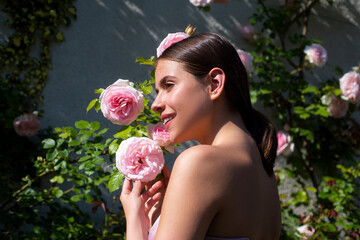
(182, 100)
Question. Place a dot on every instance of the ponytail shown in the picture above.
(264, 134)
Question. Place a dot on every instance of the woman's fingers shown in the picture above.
(138, 187)
(126, 188)
(149, 204)
(151, 191)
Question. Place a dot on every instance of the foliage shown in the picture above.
(76, 167)
(25, 61)
(282, 83)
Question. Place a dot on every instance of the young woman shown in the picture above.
(223, 188)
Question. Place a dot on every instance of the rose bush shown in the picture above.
(121, 103)
(350, 86)
(316, 54)
(27, 125)
(169, 40)
(140, 158)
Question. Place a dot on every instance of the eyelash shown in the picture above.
(168, 85)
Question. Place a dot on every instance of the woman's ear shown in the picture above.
(217, 83)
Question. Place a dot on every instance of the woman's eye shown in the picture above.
(169, 85)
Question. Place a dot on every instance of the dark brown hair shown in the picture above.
(202, 52)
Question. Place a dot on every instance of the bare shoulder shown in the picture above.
(196, 160)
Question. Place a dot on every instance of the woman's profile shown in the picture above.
(223, 188)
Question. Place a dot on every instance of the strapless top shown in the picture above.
(155, 226)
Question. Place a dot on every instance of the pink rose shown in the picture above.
(350, 86)
(246, 59)
(26, 125)
(159, 134)
(305, 231)
(285, 146)
(170, 39)
(338, 107)
(316, 54)
(249, 33)
(121, 103)
(201, 3)
(140, 158)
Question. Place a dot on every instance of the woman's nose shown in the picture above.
(158, 105)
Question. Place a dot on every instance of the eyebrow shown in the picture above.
(163, 82)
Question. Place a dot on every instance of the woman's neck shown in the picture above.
(224, 123)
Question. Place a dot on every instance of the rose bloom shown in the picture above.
(306, 231)
(285, 146)
(26, 125)
(121, 103)
(350, 86)
(201, 3)
(316, 54)
(169, 40)
(159, 134)
(248, 32)
(338, 107)
(246, 59)
(140, 158)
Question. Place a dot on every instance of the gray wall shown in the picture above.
(103, 43)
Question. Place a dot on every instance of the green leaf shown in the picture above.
(60, 36)
(97, 106)
(91, 104)
(145, 61)
(82, 124)
(51, 155)
(59, 179)
(73, 143)
(115, 181)
(95, 126)
(99, 91)
(76, 198)
(123, 133)
(98, 160)
(113, 147)
(48, 143)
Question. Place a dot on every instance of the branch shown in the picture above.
(23, 188)
(302, 12)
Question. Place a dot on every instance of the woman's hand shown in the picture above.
(137, 206)
(155, 211)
